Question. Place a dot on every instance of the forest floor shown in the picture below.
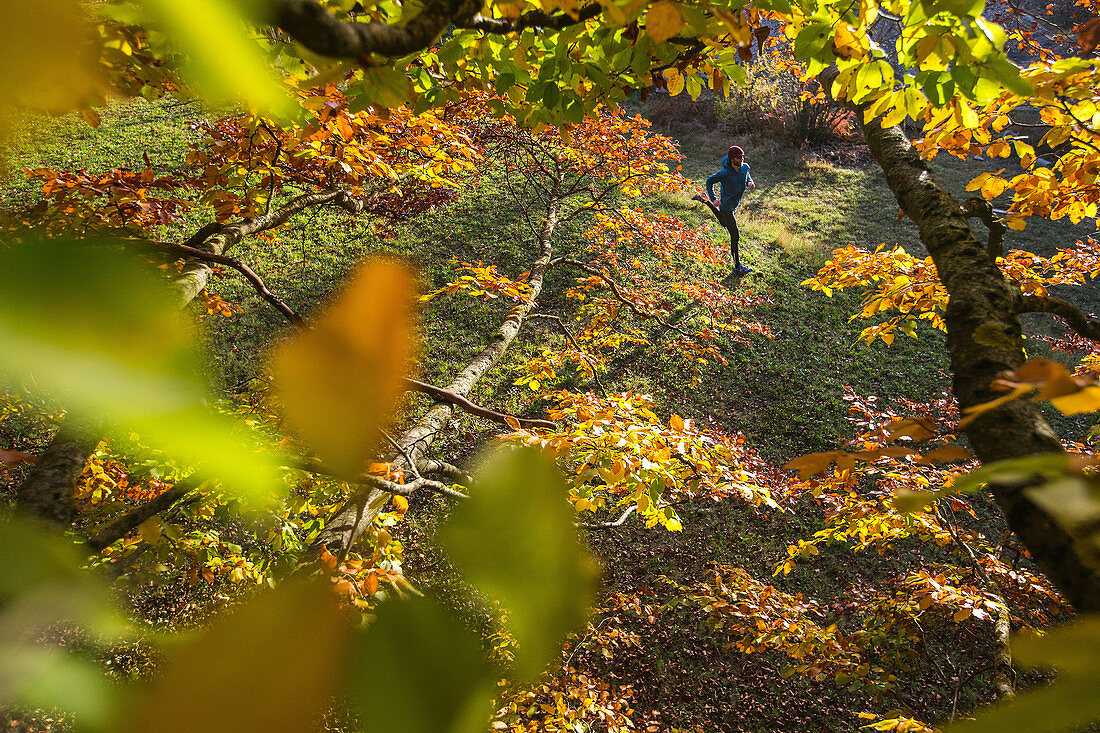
(785, 394)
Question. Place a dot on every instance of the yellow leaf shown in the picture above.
(812, 463)
(994, 187)
(339, 380)
(1087, 400)
(663, 21)
(47, 55)
(847, 43)
(674, 81)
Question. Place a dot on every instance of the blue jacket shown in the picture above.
(733, 183)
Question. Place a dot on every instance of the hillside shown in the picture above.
(787, 395)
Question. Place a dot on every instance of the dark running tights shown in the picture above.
(725, 218)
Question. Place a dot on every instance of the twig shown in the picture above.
(622, 298)
(458, 400)
(607, 525)
(587, 357)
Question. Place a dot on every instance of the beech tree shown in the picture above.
(343, 108)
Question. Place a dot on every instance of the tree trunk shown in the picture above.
(984, 338)
(345, 528)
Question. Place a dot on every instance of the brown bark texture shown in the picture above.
(984, 338)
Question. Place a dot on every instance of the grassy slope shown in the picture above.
(784, 394)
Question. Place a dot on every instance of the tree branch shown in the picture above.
(532, 19)
(1084, 325)
(622, 298)
(47, 489)
(984, 338)
(322, 32)
(979, 208)
(257, 283)
(129, 521)
(503, 418)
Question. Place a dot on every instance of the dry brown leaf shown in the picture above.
(946, 454)
(919, 429)
(14, 457)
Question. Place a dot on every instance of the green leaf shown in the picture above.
(514, 539)
(812, 41)
(385, 86)
(1068, 704)
(101, 332)
(223, 60)
(269, 665)
(960, 8)
(1010, 470)
(427, 670)
(41, 586)
(1008, 74)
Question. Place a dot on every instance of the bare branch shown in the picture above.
(456, 474)
(314, 465)
(252, 277)
(412, 487)
(622, 298)
(1085, 325)
(459, 401)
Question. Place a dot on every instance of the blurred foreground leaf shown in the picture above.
(1069, 703)
(99, 331)
(271, 665)
(44, 592)
(1007, 471)
(418, 670)
(223, 61)
(340, 380)
(47, 56)
(515, 540)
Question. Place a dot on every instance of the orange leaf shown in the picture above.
(339, 381)
(972, 413)
(811, 464)
(1088, 35)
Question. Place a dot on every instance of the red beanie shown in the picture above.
(735, 152)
